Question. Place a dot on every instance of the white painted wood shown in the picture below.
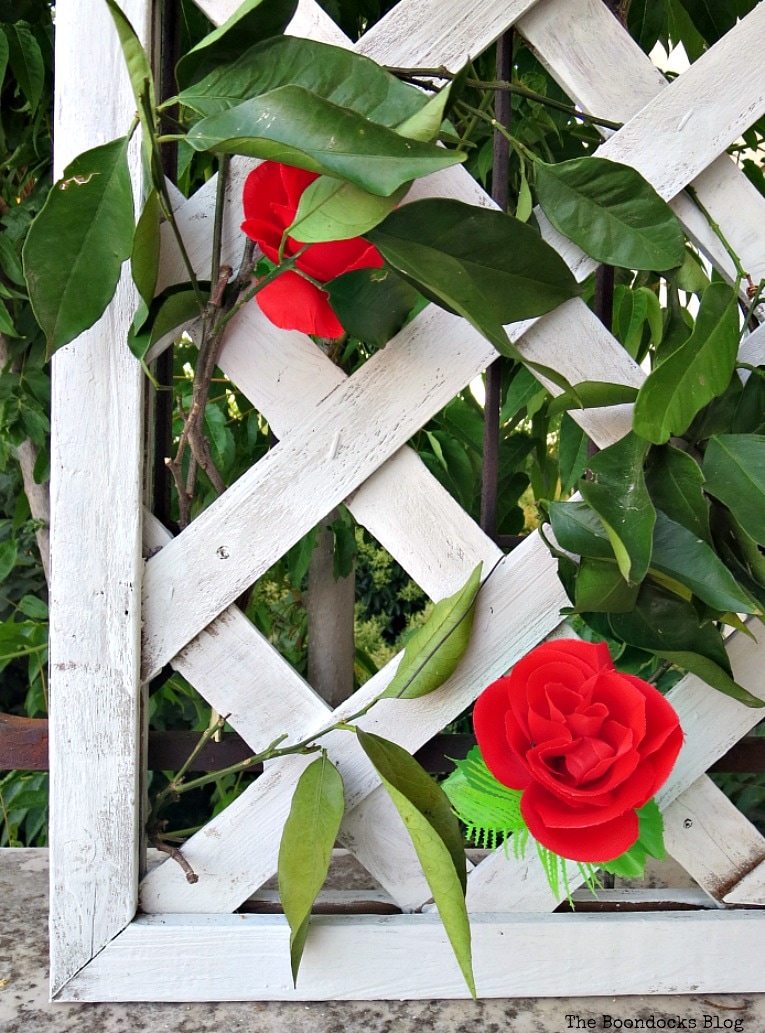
(581, 43)
(750, 890)
(712, 839)
(95, 538)
(246, 957)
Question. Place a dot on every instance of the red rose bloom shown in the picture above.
(586, 744)
(271, 197)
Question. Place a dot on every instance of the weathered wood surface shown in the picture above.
(95, 485)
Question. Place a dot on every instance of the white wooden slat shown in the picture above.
(750, 889)
(712, 839)
(712, 723)
(95, 537)
(246, 957)
(580, 43)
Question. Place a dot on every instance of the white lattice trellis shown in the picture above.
(345, 439)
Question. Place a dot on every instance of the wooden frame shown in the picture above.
(330, 449)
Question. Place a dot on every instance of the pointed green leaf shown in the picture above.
(734, 467)
(695, 373)
(572, 453)
(139, 72)
(675, 481)
(668, 626)
(298, 127)
(372, 304)
(430, 821)
(601, 588)
(592, 394)
(434, 650)
(251, 23)
(682, 555)
(306, 846)
(425, 124)
(172, 308)
(650, 842)
(711, 17)
(579, 529)
(611, 212)
(618, 494)
(330, 209)
(26, 61)
(144, 258)
(9, 552)
(690, 277)
(485, 265)
(76, 246)
(525, 205)
(6, 323)
(337, 75)
(487, 808)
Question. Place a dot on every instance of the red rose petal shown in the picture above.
(592, 844)
(293, 303)
(489, 725)
(326, 261)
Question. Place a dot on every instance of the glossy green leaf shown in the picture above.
(26, 61)
(144, 257)
(298, 127)
(695, 373)
(337, 75)
(525, 205)
(682, 555)
(487, 808)
(578, 529)
(618, 494)
(601, 588)
(330, 209)
(9, 552)
(675, 481)
(139, 72)
(175, 306)
(634, 310)
(523, 392)
(734, 467)
(611, 212)
(434, 650)
(251, 23)
(749, 417)
(572, 453)
(646, 22)
(690, 277)
(425, 124)
(485, 265)
(371, 304)
(668, 626)
(713, 18)
(75, 247)
(6, 323)
(436, 836)
(306, 846)
(299, 557)
(592, 394)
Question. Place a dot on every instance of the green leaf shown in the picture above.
(734, 467)
(680, 554)
(611, 212)
(435, 832)
(600, 588)
(251, 23)
(306, 846)
(433, 652)
(372, 304)
(572, 453)
(668, 626)
(487, 808)
(618, 494)
(144, 258)
(525, 205)
(634, 310)
(675, 481)
(33, 607)
(295, 126)
(711, 17)
(579, 529)
(690, 277)
(6, 323)
(26, 61)
(172, 308)
(650, 842)
(344, 547)
(646, 22)
(4, 53)
(299, 557)
(330, 209)
(76, 246)
(592, 394)
(523, 392)
(9, 552)
(141, 79)
(695, 373)
(337, 75)
(425, 124)
(485, 265)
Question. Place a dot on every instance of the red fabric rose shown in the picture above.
(586, 744)
(271, 197)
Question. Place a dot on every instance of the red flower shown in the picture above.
(271, 197)
(586, 744)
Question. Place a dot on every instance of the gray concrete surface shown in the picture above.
(24, 1006)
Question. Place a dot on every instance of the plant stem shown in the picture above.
(741, 273)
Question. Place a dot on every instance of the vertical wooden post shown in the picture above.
(96, 540)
